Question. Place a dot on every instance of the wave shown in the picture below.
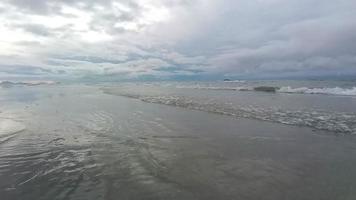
(234, 81)
(286, 89)
(323, 120)
(327, 91)
(212, 88)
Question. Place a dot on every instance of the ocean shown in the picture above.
(275, 139)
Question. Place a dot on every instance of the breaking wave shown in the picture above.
(328, 91)
(340, 122)
(299, 90)
(212, 88)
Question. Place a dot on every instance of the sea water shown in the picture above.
(178, 140)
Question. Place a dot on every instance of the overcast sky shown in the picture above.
(177, 39)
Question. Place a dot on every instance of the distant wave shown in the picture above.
(322, 120)
(234, 81)
(211, 87)
(328, 91)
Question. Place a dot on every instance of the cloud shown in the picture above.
(35, 29)
(317, 44)
(160, 38)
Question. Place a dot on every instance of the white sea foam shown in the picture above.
(328, 91)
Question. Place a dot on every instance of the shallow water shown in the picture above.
(78, 142)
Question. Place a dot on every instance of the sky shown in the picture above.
(176, 39)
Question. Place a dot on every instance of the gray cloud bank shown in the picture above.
(168, 39)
